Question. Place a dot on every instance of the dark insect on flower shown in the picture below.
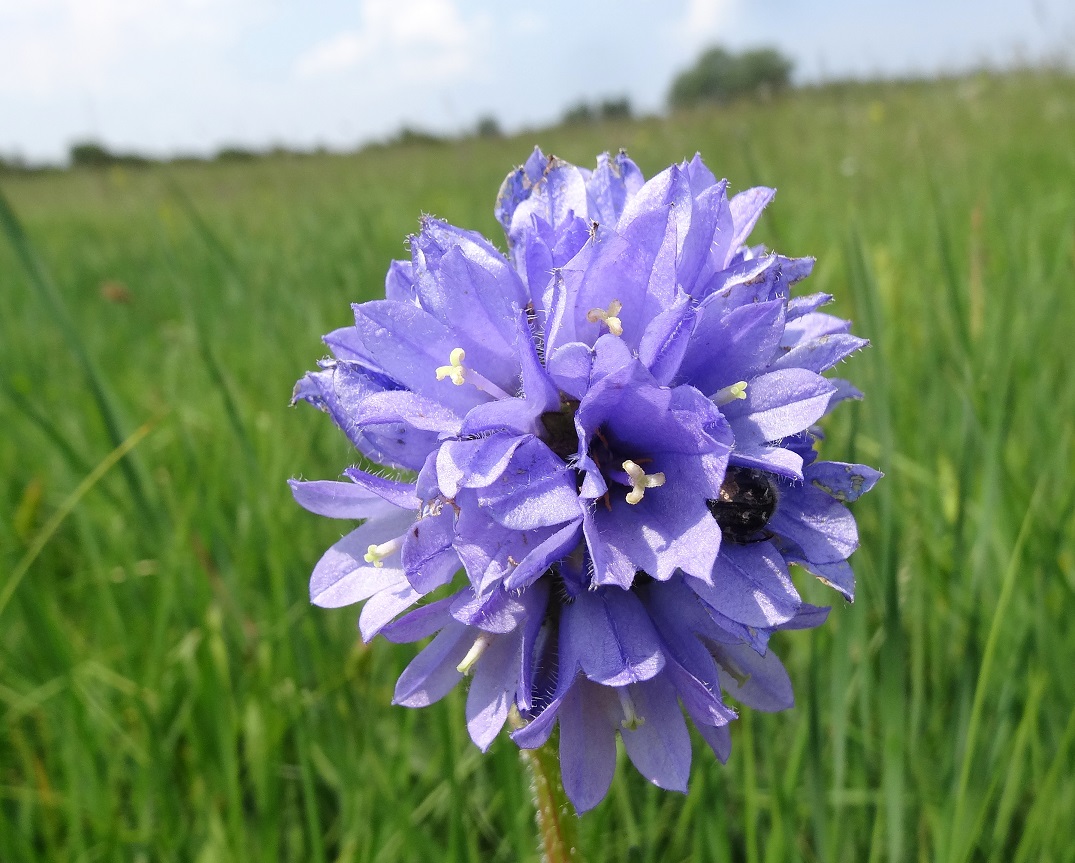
(598, 465)
(746, 502)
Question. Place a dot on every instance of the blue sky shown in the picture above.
(167, 76)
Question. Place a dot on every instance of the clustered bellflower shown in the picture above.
(599, 457)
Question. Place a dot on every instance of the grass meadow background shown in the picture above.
(166, 690)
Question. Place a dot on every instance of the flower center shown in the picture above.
(746, 502)
(560, 435)
(562, 438)
(640, 481)
(622, 468)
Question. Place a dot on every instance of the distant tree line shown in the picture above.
(618, 108)
(719, 76)
(90, 154)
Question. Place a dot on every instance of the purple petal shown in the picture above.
(611, 565)
(810, 326)
(516, 187)
(750, 585)
(475, 463)
(820, 354)
(420, 623)
(340, 499)
(569, 366)
(746, 281)
(799, 306)
(401, 494)
(667, 339)
(498, 611)
(399, 283)
(731, 346)
(746, 209)
(664, 191)
(758, 681)
(610, 355)
(660, 747)
(410, 345)
(844, 390)
(774, 459)
(838, 575)
(330, 589)
(845, 482)
(719, 739)
(339, 389)
(345, 344)
(650, 419)
(557, 196)
(689, 215)
(707, 222)
(521, 415)
(342, 576)
(612, 636)
(382, 607)
(406, 408)
(807, 617)
(587, 745)
(432, 674)
(427, 555)
(492, 553)
(700, 177)
(679, 615)
(537, 731)
(469, 286)
(670, 528)
(549, 550)
(609, 187)
(536, 489)
(492, 690)
(822, 528)
(779, 404)
(535, 600)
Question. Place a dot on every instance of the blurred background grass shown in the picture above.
(166, 691)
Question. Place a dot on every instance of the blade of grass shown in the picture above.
(106, 404)
(70, 502)
(985, 670)
(892, 689)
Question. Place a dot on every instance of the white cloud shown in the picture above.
(408, 39)
(51, 46)
(704, 20)
(336, 54)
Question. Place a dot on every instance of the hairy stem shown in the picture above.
(555, 820)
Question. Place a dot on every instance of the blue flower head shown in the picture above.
(600, 463)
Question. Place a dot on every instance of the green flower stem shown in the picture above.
(555, 818)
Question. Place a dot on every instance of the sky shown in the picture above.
(166, 77)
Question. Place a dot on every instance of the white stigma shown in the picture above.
(474, 654)
(631, 720)
(456, 370)
(640, 481)
(608, 317)
(376, 554)
(461, 374)
(730, 394)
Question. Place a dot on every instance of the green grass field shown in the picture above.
(166, 690)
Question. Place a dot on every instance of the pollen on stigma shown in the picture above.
(608, 317)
